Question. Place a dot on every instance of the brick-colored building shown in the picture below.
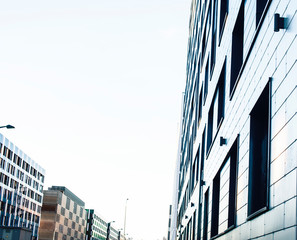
(63, 215)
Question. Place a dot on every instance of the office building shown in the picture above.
(96, 226)
(63, 215)
(237, 169)
(21, 187)
(100, 229)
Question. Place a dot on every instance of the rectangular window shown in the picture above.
(206, 76)
(214, 36)
(68, 203)
(200, 106)
(224, 194)
(205, 219)
(216, 112)
(237, 49)
(259, 154)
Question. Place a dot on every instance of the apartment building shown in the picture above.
(63, 215)
(21, 190)
(236, 165)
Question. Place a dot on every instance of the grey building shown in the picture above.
(21, 189)
(237, 169)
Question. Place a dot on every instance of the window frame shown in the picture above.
(253, 214)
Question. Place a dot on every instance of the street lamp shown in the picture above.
(7, 126)
(125, 218)
(108, 230)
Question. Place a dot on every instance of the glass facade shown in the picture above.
(21, 188)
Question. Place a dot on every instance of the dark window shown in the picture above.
(205, 219)
(260, 7)
(67, 203)
(81, 212)
(75, 208)
(224, 193)
(217, 109)
(206, 79)
(214, 36)
(237, 48)
(200, 106)
(62, 211)
(259, 154)
(61, 228)
(223, 14)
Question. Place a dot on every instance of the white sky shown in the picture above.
(94, 88)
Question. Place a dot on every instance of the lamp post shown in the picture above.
(125, 218)
(108, 230)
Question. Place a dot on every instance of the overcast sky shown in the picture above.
(94, 90)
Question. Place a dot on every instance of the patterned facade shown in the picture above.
(237, 169)
(63, 215)
(21, 188)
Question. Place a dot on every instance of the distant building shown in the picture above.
(237, 168)
(21, 186)
(97, 228)
(63, 215)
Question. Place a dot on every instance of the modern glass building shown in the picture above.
(237, 169)
(21, 189)
(63, 215)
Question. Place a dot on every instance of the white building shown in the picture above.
(21, 188)
(237, 168)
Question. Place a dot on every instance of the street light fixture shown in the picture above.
(7, 126)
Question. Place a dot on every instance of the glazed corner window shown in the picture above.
(259, 154)
(224, 194)
(223, 15)
(237, 48)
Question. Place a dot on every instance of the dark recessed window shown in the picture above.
(259, 154)
(214, 36)
(206, 79)
(200, 106)
(260, 7)
(68, 203)
(223, 14)
(217, 109)
(237, 48)
(205, 218)
(224, 194)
